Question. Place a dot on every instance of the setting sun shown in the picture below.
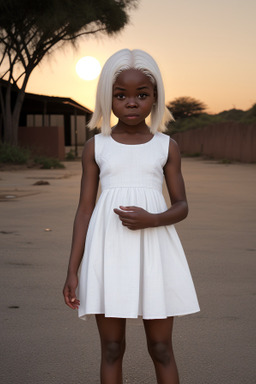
(88, 68)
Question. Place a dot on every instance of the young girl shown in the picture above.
(133, 263)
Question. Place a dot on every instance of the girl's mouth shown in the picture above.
(131, 116)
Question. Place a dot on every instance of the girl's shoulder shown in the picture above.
(100, 137)
(101, 146)
(162, 140)
(162, 136)
(100, 140)
(167, 140)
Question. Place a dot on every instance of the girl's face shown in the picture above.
(133, 97)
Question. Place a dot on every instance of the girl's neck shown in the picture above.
(141, 129)
(131, 134)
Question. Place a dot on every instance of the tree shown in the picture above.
(186, 106)
(30, 30)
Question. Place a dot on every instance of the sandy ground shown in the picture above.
(42, 341)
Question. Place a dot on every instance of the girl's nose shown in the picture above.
(131, 103)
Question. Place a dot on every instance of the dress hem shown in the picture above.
(85, 316)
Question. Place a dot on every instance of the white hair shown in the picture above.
(117, 63)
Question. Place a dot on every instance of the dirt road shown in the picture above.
(42, 341)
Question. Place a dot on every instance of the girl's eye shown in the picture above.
(120, 96)
(142, 95)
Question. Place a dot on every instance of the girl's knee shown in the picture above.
(160, 352)
(113, 351)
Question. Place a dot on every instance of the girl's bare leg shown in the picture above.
(159, 340)
(112, 336)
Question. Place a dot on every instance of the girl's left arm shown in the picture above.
(138, 218)
(176, 188)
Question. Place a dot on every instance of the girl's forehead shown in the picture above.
(132, 75)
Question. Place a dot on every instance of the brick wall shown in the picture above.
(44, 141)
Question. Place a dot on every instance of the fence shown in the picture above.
(231, 141)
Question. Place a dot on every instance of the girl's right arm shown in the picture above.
(88, 193)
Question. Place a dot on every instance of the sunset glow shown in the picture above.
(88, 68)
(204, 50)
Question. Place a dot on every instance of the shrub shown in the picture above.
(206, 119)
(14, 154)
(48, 162)
(70, 155)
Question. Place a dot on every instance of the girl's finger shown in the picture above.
(127, 220)
(118, 211)
(122, 214)
(128, 208)
(74, 303)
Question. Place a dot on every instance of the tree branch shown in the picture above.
(18, 49)
(3, 55)
(85, 33)
(43, 48)
(20, 76)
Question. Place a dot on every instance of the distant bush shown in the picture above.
(251, 113)
(185, 106)
(48, 162)
(205, 119)
(70, 155)
(10, 154)
(13, 154)
(231, 115)
(181, 125)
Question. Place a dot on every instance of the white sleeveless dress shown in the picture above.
(127, 273)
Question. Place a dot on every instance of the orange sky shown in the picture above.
(205, 49)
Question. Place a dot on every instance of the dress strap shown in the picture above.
(99, 142)
(163, 142)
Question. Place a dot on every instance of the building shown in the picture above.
(41, 115)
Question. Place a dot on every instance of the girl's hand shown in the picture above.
(69, 292)
(135, 217)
